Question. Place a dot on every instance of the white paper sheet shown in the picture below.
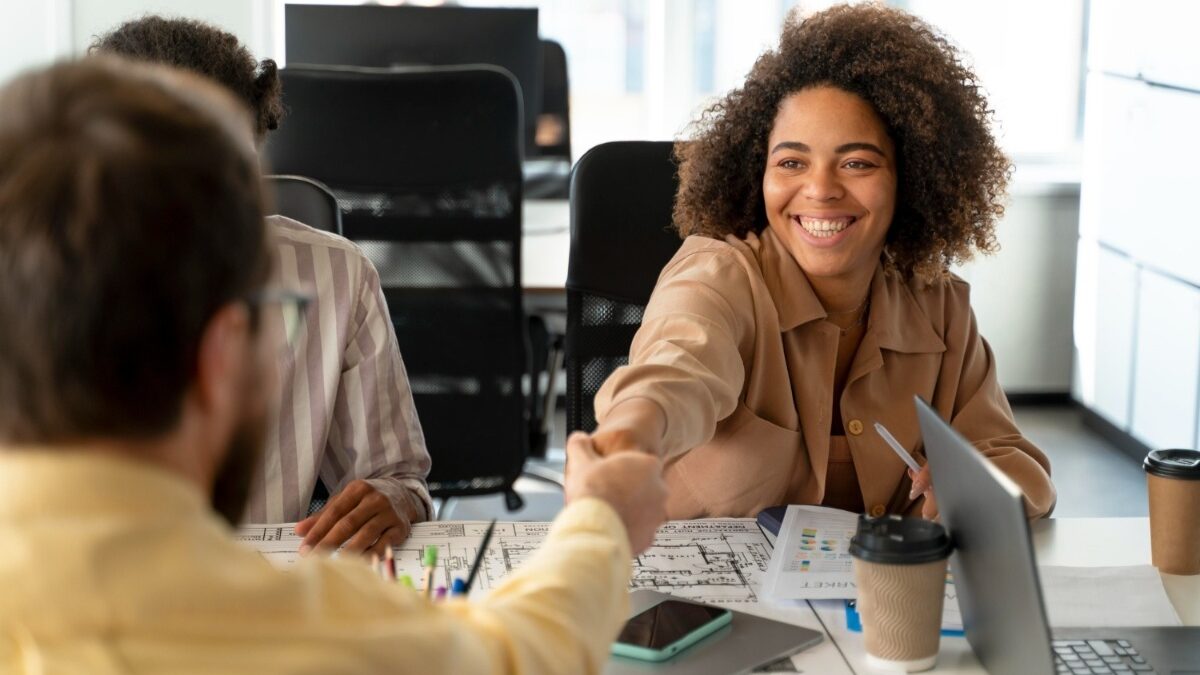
(1106, 597)
(812, 555)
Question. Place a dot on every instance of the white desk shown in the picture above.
(1079, 542)
(545, 245)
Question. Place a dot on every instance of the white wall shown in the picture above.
(35, 33)
(32, 33)
(247, 19)
(1023, 295)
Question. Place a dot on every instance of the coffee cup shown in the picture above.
(1173, 484)
(900, 570)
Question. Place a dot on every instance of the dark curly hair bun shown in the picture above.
(952, 175)
(268, 94)
(205, 49)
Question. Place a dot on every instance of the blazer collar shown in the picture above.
(897, 320)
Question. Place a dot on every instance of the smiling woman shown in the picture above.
(822, 203)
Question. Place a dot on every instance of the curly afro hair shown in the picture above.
(200, 48)
(952, 175)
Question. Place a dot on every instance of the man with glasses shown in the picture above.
(138, 339)
(346, 420)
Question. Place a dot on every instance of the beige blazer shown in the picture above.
(735, 350)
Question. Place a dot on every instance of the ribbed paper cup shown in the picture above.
(1173, 484)
(900, 570)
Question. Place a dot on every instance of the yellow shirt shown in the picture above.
(111, 565)
(733, 347)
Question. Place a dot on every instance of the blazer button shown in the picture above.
(878, 510)
(855, 427)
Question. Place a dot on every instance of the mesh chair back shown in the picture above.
(426, 165)
(307, 201)
(621, 237)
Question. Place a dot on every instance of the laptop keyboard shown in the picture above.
(1098, 657)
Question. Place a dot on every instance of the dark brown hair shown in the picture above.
(198, 47)
(952, 176)
(130, 212)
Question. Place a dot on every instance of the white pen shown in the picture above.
(895, 445)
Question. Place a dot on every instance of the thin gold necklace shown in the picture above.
(862, 309)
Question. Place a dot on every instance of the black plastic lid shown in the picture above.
(893, 540)
(1173, 464)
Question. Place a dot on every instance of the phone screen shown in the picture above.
(666, 623)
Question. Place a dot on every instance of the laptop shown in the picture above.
(997, 580)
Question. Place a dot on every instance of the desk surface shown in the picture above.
(1080, 542)
(545, 245)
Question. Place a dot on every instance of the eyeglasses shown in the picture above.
(292, 305)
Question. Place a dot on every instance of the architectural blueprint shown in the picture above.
(720, 561)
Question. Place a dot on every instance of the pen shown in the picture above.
(479, 556)
(899, 449)
(390, 557)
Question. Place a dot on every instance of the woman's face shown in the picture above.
(830, 182)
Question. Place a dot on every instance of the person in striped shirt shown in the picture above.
(345, 415)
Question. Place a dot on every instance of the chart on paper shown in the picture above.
(812, 555)
(721, 560)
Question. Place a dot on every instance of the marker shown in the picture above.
(441, 593)
(459, 588)
(375, 563)
(390, 558)
(406, 580)
(895, 445)
(430, 561)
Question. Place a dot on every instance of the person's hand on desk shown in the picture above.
(631, 482)
(922, 484)
(361, 517)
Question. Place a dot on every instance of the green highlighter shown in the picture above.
(668, 628)
(429, 562)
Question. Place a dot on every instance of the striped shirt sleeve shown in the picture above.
(375, 429)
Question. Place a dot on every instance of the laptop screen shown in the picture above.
(994, 569)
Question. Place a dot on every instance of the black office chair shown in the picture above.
(621, 237)
(307, 201)
(426, 164)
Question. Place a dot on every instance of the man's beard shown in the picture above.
(231, 487)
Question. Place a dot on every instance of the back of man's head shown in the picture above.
(201, 48)
(130, 212)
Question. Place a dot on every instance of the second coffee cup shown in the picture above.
(1173, 483)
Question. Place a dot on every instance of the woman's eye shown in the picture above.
(791, 164)
(857, 164)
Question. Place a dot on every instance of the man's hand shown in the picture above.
(631, 482)
(360, 517)
(922, 484)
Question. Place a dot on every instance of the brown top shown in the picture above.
(735, 351)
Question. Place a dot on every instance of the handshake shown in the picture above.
(631, 482)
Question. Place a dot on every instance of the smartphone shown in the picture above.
(668, 628)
